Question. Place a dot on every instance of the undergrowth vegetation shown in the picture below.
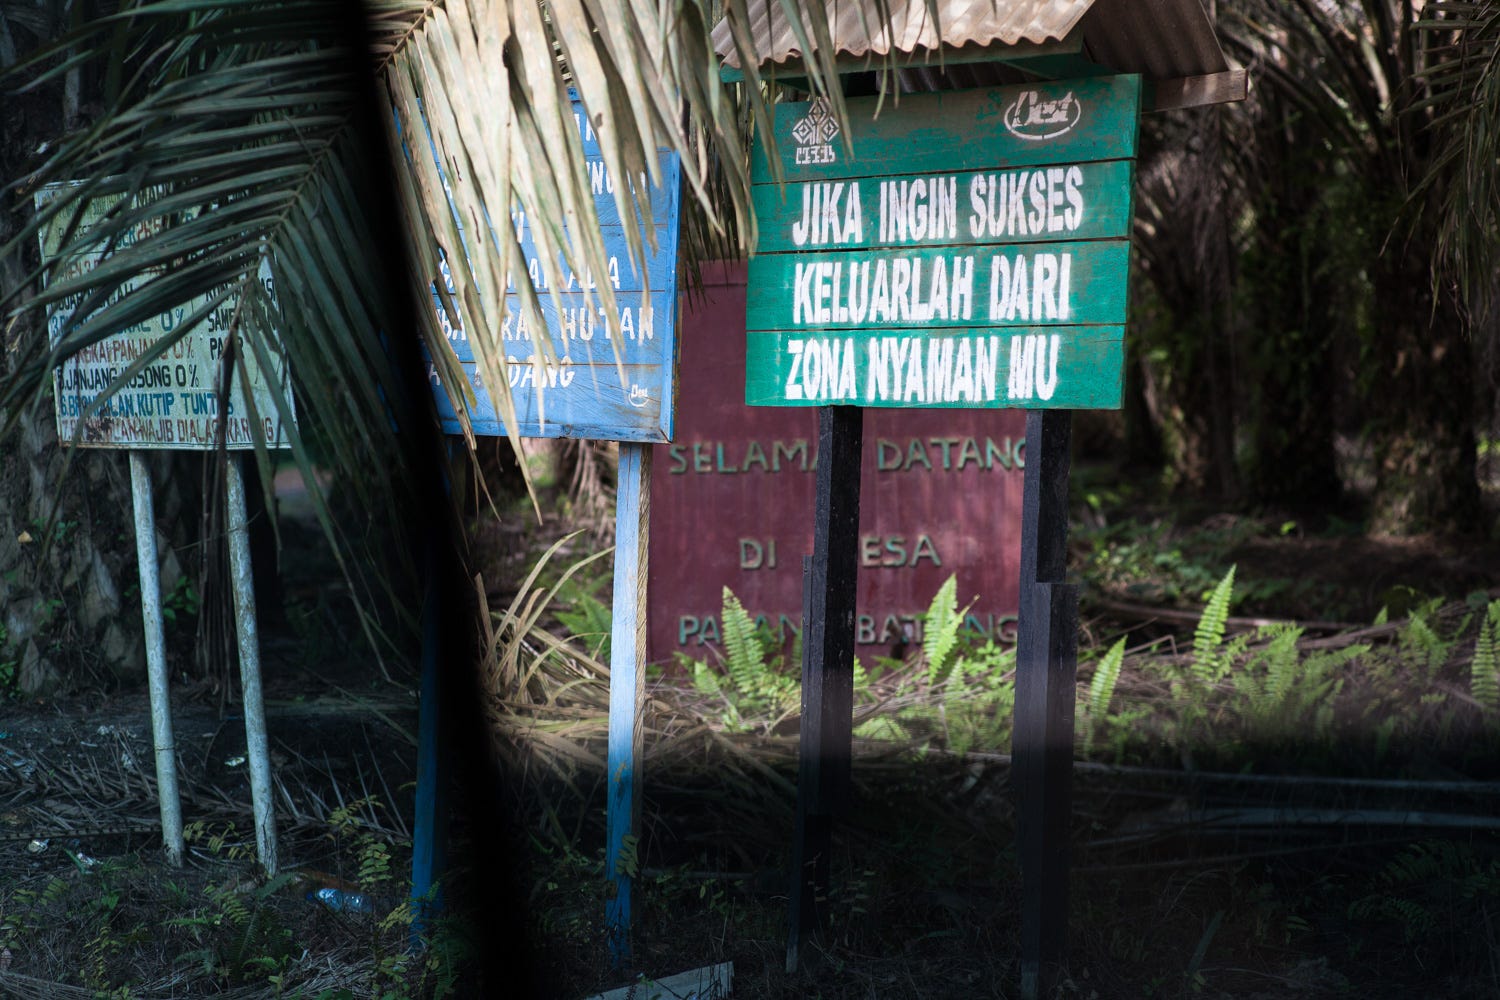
(1266, 696)
(1258, 800)
(215, 927)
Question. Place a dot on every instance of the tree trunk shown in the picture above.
(1421, 412)
(1185, 337)
(70, 612)
(1291, 406)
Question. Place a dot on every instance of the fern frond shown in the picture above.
(1207, 662)
(1484, 685)
(1420, 642)
(882, 727)
(743, 657)
(1102, 687)
(1283, 666)
(1101, 692)
(940, 634)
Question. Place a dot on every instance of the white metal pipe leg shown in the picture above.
(156, 659)
(257, 744)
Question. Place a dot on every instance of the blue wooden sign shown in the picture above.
(597, 383)
(601, 380)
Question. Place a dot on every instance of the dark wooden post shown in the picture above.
(824, 745)
(1046, 668)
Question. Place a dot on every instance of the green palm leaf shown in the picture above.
(241, 130)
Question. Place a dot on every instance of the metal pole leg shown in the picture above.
(256, 742)
(156, 660)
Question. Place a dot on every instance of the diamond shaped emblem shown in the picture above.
(818, 125)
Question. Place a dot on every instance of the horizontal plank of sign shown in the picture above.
(578, 401)
(1012, 285)
(1029, 204)
(1049, 367)
(1072, 121)
(663, 197)
(580, 330)
(620, 274)
(663, 204)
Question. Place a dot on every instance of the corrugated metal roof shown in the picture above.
(849, 22)
(1159, 39)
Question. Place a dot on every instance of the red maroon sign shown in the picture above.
(732, 502)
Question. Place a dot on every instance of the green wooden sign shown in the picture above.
(1021, 205)
(947, 368)
(1020, 285)
(972, 251)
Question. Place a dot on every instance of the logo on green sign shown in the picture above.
(1034, 119)
(815, 132)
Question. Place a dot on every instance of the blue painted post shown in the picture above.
(626, 688)
(430, 830)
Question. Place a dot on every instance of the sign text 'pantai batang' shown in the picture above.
(174, 402)
(972, 252)
(582, 394)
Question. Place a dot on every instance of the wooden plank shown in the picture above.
(1082, 201)
(1073, 283)
(1046, 660)
(825, 740)
(659, 271)
(1044, 502)
(712, 982)
(593, 403)
(1198, 91)
(627, 687)
(812, 836)
(1059, 66)
(581, 332)
(830, 626)
(1020, 125)
(1074, 367)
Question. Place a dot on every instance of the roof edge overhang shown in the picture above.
(1197, 76)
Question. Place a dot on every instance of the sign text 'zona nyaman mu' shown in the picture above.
(971, 252)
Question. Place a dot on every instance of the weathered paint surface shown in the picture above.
(731, 498)
(1076, 201)
(1068, 121)
(174, 401)
(1066, 367)
(593, 384)
(1019, 285)
(971, 251)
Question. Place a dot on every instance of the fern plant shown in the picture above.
(940, 635)
(752, 685)
(1101, 692)
(1433, 890)
(589, 620)
(1209, 661)
(242, 935)
(1420, 643)
(1483, 682)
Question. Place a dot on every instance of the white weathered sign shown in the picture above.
(175, 401)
